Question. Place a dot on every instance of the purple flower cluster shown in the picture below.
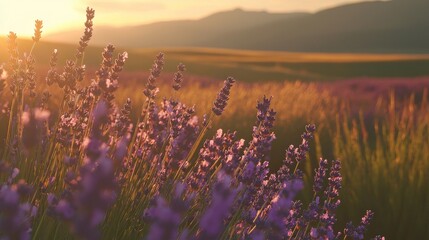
(101, 174)
(91, 192)
(22, 72)
(165, 218)
(210, 156)
(15, 215)
(108, 74)
(357, 233)
(212, 222)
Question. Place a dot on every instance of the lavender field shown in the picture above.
(108, 152)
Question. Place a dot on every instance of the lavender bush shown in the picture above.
(92, 173)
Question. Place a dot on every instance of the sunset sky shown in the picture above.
(19, 15)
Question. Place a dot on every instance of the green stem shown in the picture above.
(9, 128)
(32, 48)
(39, 225)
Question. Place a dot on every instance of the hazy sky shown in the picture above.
(19, 15)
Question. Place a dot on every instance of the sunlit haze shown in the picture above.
(19, 15)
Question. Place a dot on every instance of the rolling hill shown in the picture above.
(183, 33)
(394, 26)
(382, 26)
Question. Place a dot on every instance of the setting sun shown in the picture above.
(19, 16)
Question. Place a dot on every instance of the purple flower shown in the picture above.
(312, 213)
(322, 233)
(178, 77)
(333, 190)
(182, 144)
(84, 205)
(213, 220)
(223, 96)
(227, 191)
(165, 221)
(255, 168)
(53, 76)
(92, 194)
(275, 225)
(35, 129)
(320, 176)
(213, 152)
(15, 217)
(165, 217)
(357, 233)
(233, 157)
(151, 89)
(87, 34)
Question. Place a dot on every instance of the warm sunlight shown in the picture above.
(19, 16)
(214, 119)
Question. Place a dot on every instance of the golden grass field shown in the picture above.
(251, 66)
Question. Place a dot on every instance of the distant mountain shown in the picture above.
(385, 26)
(398, 26)
(178, 33)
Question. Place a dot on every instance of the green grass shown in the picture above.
(251, 66)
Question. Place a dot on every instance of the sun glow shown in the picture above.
(18, 16)
(59, 15)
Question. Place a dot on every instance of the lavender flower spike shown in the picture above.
(320, 176)
(14, 215)
(166, 217)
(38, 31)
(178, 77)
(151, 90)
(212, 222)
(87, 34)
(357, 233)
(34, 127)
(223, 96)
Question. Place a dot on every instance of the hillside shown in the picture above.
(183, 33)
(384, 26)
(398, 26)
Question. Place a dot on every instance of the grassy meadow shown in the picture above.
(381, 138)
(251, 66)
